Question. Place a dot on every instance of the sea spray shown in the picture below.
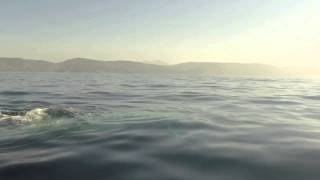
(37, 114)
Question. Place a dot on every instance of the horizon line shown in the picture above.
(165, 63)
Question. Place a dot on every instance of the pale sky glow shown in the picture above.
(284, 33)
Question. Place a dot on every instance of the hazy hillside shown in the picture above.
(226, 68)
(88, 65)
(18, 64)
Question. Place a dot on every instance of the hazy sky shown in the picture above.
(279, 32)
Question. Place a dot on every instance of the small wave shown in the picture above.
(22, 93)
(14, 93)
(100, 93)
(37, 114)
(275, 102)
(160, 86)
(129, 85)
(311, 97)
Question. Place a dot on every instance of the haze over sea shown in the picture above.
(160, 127)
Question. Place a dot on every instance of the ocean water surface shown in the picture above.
(160, 127)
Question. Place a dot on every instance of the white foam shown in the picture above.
(37, 114)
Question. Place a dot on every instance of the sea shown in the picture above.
(86, 126)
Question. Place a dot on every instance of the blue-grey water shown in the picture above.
(160, 127)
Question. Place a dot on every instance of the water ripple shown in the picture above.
(160, 127)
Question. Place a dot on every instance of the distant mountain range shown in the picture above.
(97, 66)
